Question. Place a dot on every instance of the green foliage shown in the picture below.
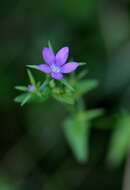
(120, 142)
(91, 114)
(44, 84)
(31, 78)
(36, 96)
(77, 131)
(50, 46)
(82, 63)
(24, 98)
(77, 134)
(64, 98)
(84, 86)
(67, 84)
(33, 67)
(21, 88)
(21, 97)
(82, 74)
(28, 97)
(69, 94)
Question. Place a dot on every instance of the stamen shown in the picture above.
(55, 68)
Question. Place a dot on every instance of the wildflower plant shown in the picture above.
(68, 90)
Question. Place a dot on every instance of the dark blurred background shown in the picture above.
(34, 153)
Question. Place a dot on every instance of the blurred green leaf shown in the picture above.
(67, 84)
(50, 46)
(77, 133)
(82, 74)
(44, 84)
(21, 97)
(120, 141)
(82, 63)
(32, 80)
(91, 114)
(46, 93)
(26, 99)
(64, 98)
(33, 67)
(84, 86)
(22, 88)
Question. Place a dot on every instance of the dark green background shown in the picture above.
(34, 153)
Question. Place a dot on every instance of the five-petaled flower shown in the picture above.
(56, 64)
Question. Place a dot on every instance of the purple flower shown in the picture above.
(31, 88)
(56, 64)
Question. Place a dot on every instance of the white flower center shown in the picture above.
(55, 68)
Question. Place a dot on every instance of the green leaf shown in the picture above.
(37, 98)
(82, 63)
(50, 46)
(20, 98)
(33, 97)
(23, 98)
(85, 86)
(91, 114)
(22, 88)
(82, 74)
(26, 99)
(120, 141)
(45, 83)
(67, 84)
(32, 80)
(77, 134)
(33, 67)
(64, 98)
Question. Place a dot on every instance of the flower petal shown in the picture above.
(62, 56)
(31, 88)
(69, 67)
(58, 76)
(44, 68)
(48, 55)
